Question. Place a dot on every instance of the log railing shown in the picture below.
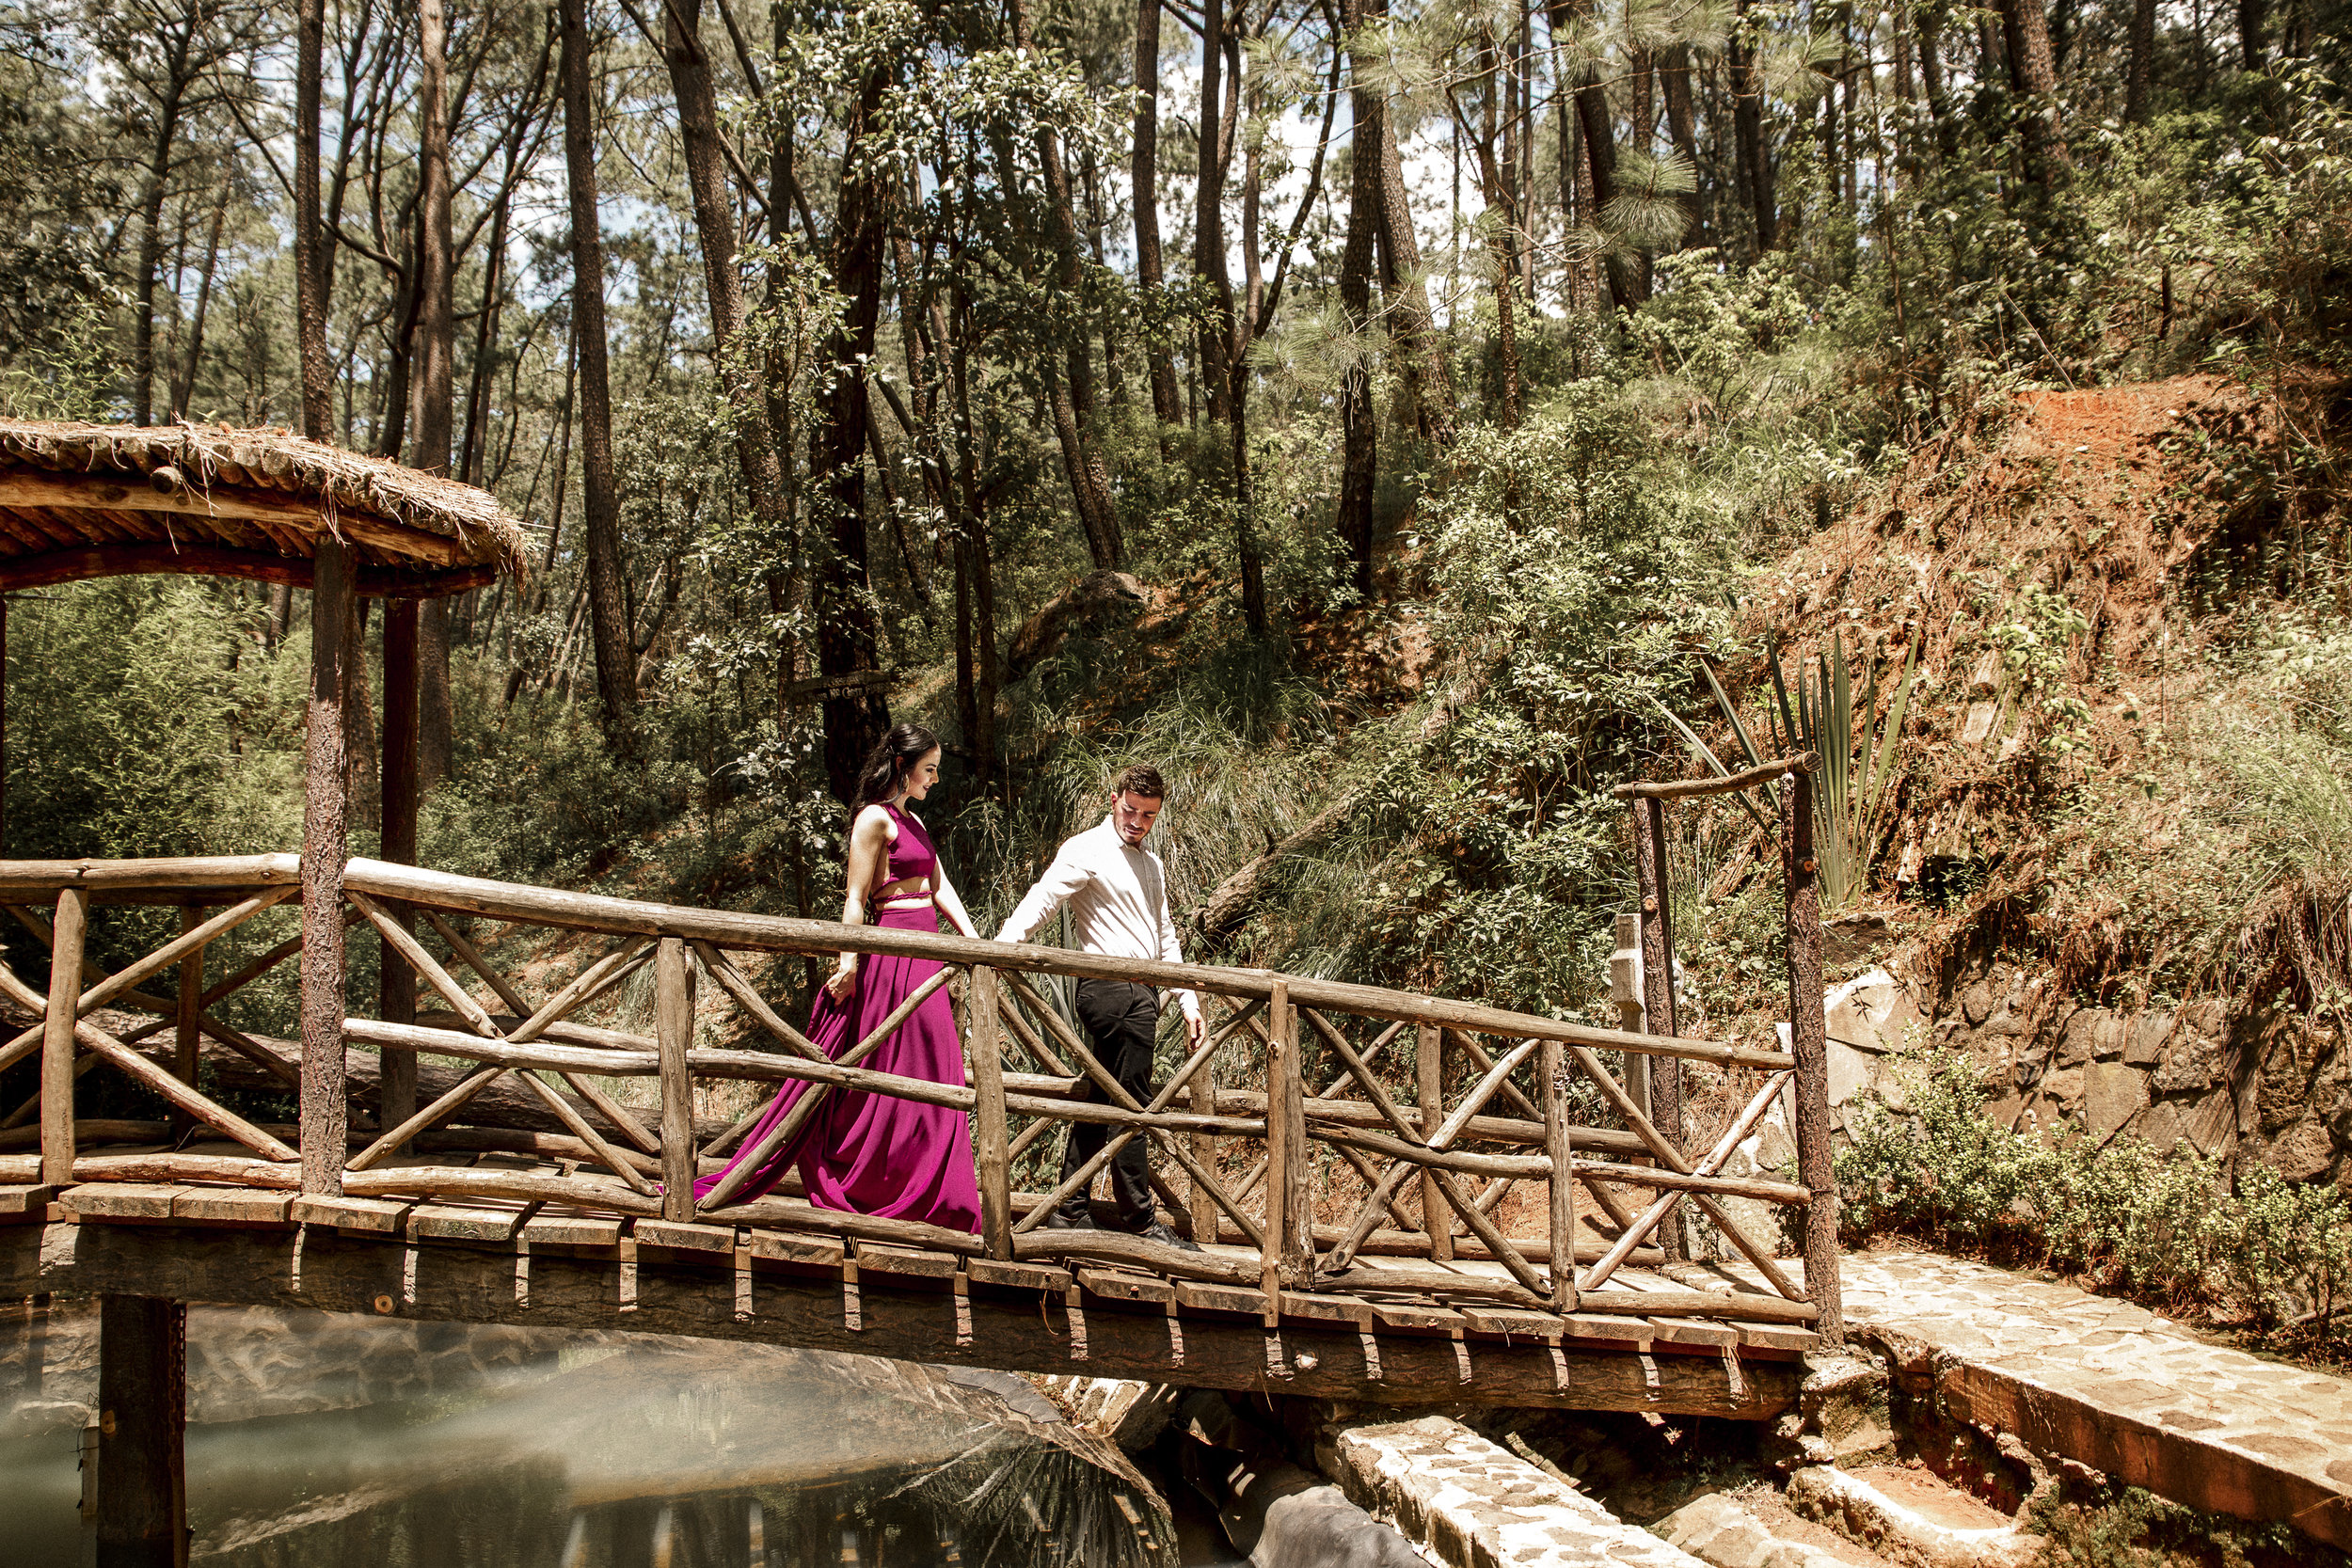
(1312, 1130)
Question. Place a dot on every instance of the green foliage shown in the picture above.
(2166, 1228)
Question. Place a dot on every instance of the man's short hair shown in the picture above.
(1142, 780)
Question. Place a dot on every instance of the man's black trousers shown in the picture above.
(1122, 1019)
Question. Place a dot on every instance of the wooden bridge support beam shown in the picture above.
(325, 809)
(142, 1425)
(396, 985)
(1658, 988)
(1808, 1042)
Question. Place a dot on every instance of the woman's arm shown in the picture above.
(947, 900)
(869, 849)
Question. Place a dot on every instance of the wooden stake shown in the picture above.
(1429, 1096)
(142, 1424)
(1550, 1065)
(326, 1114)
(1808, 1039)
(989, 1149)
(56, 1042)
(1200, 1096)
(187, 1038)
(396, 988)
(1290, 1185)
(1658, 986)
(674, 1028)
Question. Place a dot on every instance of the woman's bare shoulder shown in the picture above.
(874, 822)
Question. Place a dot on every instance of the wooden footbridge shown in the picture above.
(513, 1152)
(1339, 1152)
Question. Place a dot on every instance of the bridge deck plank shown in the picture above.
(899, 1316)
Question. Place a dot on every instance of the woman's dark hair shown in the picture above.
(887, 764)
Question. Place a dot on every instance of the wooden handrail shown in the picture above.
(18, 878)
(589, 911)
(1729, 783)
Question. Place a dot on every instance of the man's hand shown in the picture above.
(1194, 1031)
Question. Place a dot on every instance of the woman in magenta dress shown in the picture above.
(870, 1153)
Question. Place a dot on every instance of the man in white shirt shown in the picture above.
(1117, 892)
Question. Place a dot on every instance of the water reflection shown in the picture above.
(584, 1452)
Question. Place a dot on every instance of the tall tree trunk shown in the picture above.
(311, 247)
(756, 452)
(1074, 403)
(1428, 383)
(1208, 230)
(432, 416)
(2033, 75)
(184, 388)
(1674, 81)
(2141, 57)
(1359, 420)
(617, 672)
(1747, 130)
(152, 190)
(846, 640)
(1570, 18)
(2254, 33)
(1143, 169)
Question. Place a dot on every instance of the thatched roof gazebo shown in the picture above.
(87, 501)
(90, 501)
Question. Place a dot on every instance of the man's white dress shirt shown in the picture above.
(1118, 899)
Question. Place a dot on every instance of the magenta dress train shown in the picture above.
(869, 1153)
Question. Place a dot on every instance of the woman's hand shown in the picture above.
(843, 980)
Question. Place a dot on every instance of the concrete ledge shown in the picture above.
(1470, 1504)
(2113, 1387)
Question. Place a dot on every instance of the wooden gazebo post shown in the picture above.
(326, 810)
(396, 992)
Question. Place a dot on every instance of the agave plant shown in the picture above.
(1855, 792)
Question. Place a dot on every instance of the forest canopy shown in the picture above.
(1434, 374)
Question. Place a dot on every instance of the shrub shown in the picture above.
(2168, 1228)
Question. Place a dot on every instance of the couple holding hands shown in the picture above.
(872, 1154)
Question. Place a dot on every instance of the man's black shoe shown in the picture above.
(1062, 1219)
(1165, 1237)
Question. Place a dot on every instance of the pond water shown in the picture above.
(319, 1439)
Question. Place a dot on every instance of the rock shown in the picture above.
(1130, 1414)
(1470, 1504)
(1980, 723)
(1854, 935)
(1716, 1529)
(1870, 1012)
(1099, 602)
(2064, 1090)
(2211, 1125)
(1863, 1514)
(1975, 1002)
(2191, 1060)
(2303, 1152)
(2112, 1095)
(2091, 1034)
(2144, 1038)
(1843, 1403)
(2160, 1126)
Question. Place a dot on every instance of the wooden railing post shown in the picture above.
(325, 1110)
(1658, 987)
(1289, 1253)
(57, 1040)
(674, 1032)
(1808, 1041)
(1200, 1098)
(1437, 1220)
(187, 1035)
(990, 1144)
(1548, 1065)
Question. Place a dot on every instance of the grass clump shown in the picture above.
(2173, 1230)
